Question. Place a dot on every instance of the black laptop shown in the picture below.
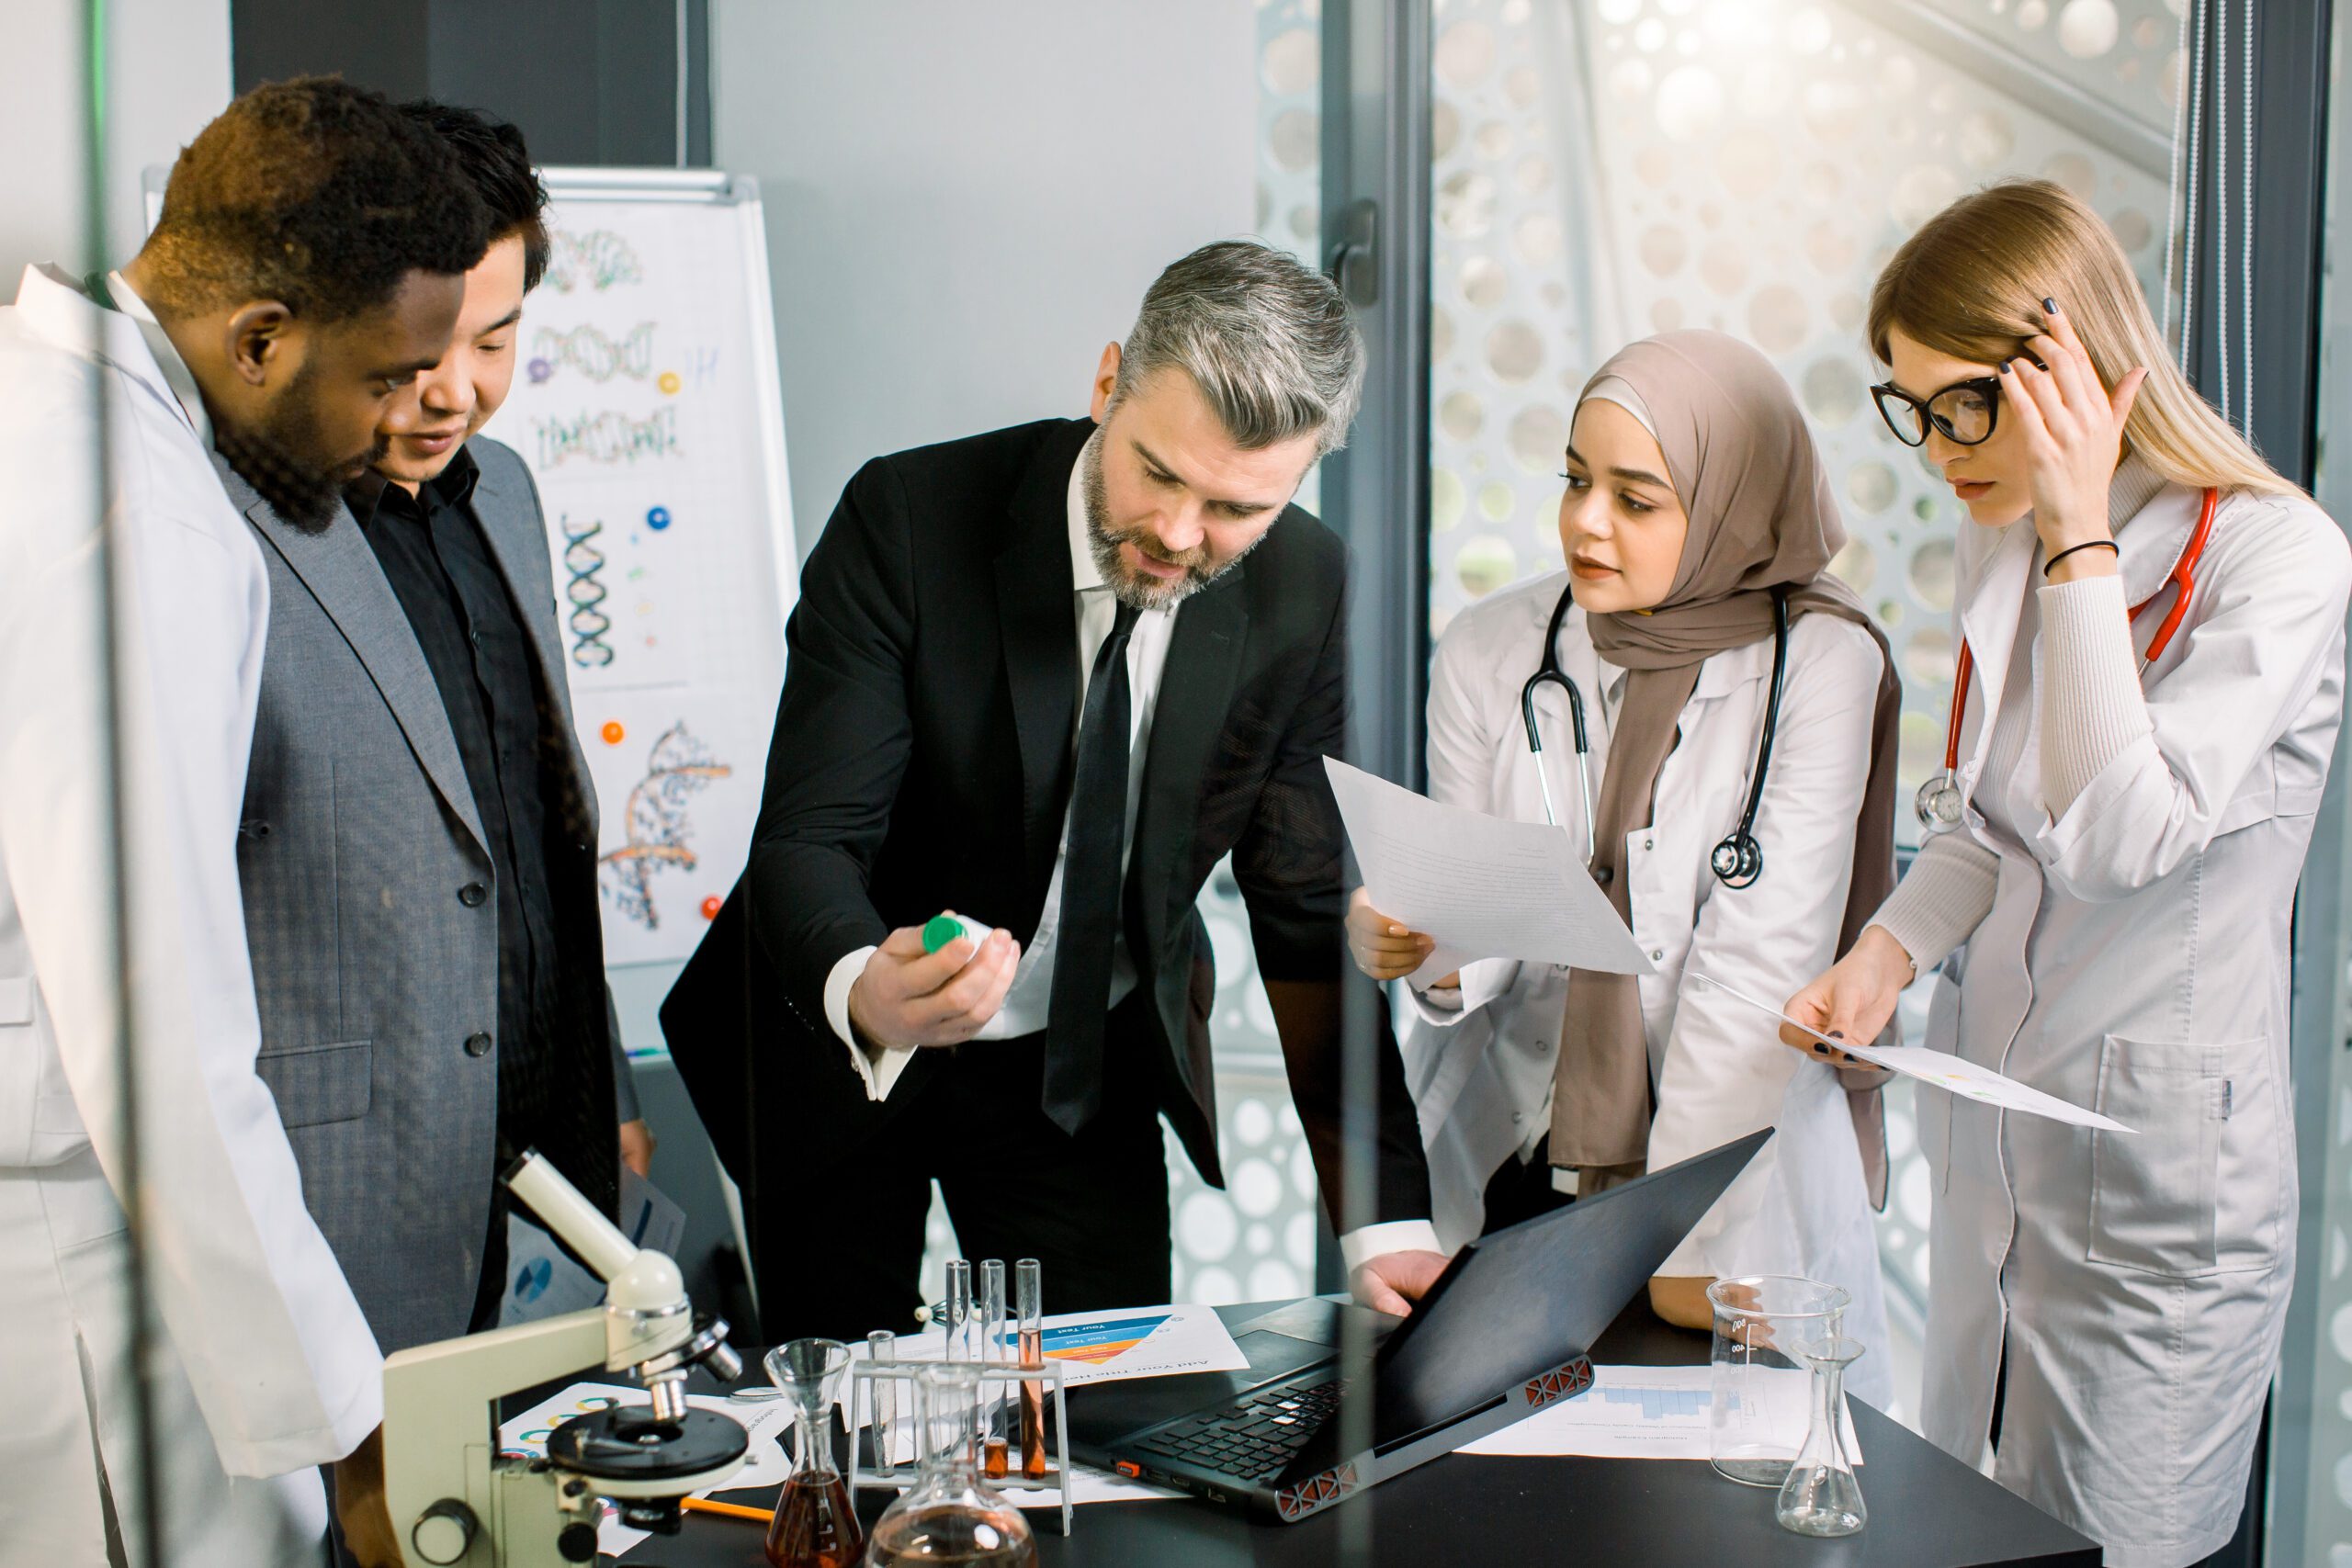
(1503, 1332)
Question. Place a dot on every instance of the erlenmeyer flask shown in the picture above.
(814, 1527)
(950, 1515)
(1821, 1496)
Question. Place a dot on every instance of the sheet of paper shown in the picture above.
(1102, 1346)
(764, 1422)
(1939, 1069)
(1483, 887)
(542, 1280)
(1652, 1412)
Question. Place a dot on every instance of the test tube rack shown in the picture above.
(871, 1467)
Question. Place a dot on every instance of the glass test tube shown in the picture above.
(959, 1309)
(989, 1326)
(1027, 1304)
(882, 1347)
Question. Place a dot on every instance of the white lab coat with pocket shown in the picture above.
(1481, 1073)
(2134, 956)
(263, 1367)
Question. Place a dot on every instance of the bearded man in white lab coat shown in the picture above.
(309, 261)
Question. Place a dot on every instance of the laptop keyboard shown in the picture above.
(1253, 1437)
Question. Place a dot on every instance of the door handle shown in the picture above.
(1353, 260)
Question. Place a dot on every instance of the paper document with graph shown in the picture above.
(1653, 1413)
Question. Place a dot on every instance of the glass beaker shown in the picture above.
(1757, 1383)
(815, 1525)
(950, 1515)
(1821, 1496)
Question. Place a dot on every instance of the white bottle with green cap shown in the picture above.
(941, 930)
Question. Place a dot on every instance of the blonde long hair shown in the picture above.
(1971, 282)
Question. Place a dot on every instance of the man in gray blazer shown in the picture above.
(418, 842)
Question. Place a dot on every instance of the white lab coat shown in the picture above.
(265, 1366)
(2135, 959)
(1481, 1074)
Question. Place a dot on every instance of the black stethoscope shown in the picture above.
(1941, 803)
(1736, 862)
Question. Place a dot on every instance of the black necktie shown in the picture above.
(1089, 912)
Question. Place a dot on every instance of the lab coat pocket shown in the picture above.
(314, 1084)
(2153, 1190)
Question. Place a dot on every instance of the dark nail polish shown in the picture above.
(1819, 1049)
(2049, 305)
(2005, 366)
(1836, 1035)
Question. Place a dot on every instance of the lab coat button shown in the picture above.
(1604, 875)
(1657, 955)
(1648, 843)
(477, 1044)
(471, 895)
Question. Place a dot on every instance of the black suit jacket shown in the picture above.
(922, 761)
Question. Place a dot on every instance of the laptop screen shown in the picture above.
(1517, 1304)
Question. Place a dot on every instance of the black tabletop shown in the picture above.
(1927, 1510)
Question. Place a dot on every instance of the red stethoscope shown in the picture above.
(1940, 802)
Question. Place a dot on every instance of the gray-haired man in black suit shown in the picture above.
(1033, 679)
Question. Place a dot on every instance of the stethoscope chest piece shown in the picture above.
(1737, 862)
(1940, 804)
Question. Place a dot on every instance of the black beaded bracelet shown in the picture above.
(2086, 544)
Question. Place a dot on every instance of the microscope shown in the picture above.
(456, 1502)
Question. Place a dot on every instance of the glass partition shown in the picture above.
(1609, 168)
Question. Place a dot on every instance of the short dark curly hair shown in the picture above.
(314, 193)
(499, 166)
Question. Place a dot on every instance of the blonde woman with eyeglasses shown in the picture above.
(2148, 693)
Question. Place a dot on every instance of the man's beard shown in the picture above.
(1141, 593)
(270, 457)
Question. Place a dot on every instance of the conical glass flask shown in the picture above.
(814, 1527)
(950, 1515)
(1821, 1496)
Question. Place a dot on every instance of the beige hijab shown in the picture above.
(1762, 518)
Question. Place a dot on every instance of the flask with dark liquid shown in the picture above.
(814, 1527)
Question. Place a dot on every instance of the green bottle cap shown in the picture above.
(941, 930)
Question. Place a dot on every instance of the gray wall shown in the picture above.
(168, 74)
(587, 81)
(966, 202)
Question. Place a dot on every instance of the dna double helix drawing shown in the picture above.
(598, 260)
(658, 824)
(593, 353)
(582, 562)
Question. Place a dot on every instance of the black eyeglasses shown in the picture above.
(1965, 411)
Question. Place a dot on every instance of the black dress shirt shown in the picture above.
(439, 563)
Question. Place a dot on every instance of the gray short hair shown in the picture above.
(1269, 341)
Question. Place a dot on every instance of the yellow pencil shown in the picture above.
(732, 1510)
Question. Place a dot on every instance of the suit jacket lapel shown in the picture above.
(513, 523)
(1039, 625)
(339, 570)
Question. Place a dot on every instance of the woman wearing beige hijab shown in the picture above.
(1695, 499)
